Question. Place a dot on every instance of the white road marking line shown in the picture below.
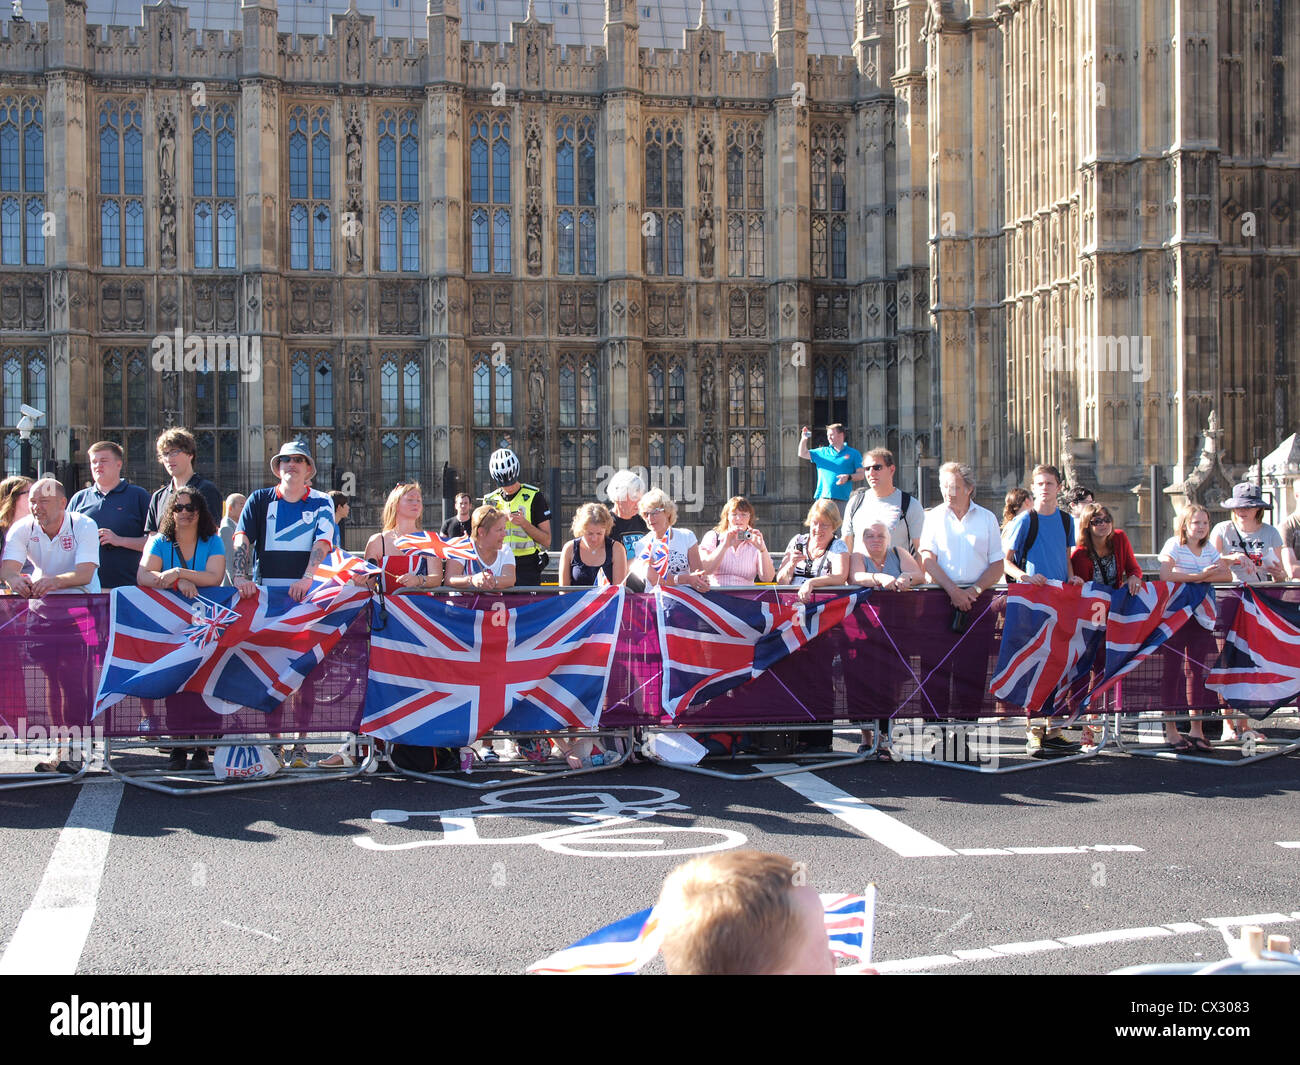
(1254, 918)
(52, 932)
(1292, 845)
(254, 931)
(1087, 939)
(984, 852)
(954, 926)
(888, 831)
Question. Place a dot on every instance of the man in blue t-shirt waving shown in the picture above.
(836, 463)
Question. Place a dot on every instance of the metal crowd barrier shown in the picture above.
(843, 677)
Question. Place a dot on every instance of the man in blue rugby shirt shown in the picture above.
(288, 530)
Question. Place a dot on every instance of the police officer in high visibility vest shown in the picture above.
(528, 512)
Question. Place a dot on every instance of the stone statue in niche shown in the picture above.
(353, 69)
(536, 389)
(533, 162)
(354, 159)
(705, 178)
(706, 70)
(710, 453)
(534, 241)
(532, 64)
(706, 243)
(165, 47)
(167, 233)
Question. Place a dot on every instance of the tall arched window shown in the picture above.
(401, 419)
(747, 421)
(489, 184)
(214, 188)
(399, 183)
(666, 409)
(311, 391)
(121, 184)
(492, 385)
(310, 232)
(22, 181)
(829, 202)
(664, 247)
(579, 422)
(26, 380)
(745, 199)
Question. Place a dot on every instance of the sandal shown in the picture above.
(1253, 735)
(1200, 743)
(1183, 745)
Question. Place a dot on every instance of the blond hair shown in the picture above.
(654, 499)
(591, 514)
(388, 520)
(729, 913)
(486, 515)
(824, 509)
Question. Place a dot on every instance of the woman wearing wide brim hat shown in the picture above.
(1254, 550)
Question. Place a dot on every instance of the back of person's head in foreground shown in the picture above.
(742, 912)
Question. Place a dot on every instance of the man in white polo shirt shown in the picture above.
(62, 545)
(64, 549)
(961, 550)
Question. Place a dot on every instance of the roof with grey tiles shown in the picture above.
(747, 24)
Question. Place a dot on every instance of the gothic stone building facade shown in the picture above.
(446, 229)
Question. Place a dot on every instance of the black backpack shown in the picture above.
(1033, 535)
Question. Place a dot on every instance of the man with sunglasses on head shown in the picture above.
(288, 531)
(901, 512)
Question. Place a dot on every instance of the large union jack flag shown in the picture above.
(442, 675)
(234, 652)
(715, 642)
(1259, 669)
(1050, 638)
(1139, 624)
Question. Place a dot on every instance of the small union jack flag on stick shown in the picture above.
(341, 566)
(657, 555)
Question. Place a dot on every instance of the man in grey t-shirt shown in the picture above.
(902, 514)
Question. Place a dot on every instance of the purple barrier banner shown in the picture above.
(894, 656)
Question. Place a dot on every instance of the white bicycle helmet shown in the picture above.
(504, 466)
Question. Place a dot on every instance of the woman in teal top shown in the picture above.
(186, 553)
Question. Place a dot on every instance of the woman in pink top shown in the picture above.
(734, 552)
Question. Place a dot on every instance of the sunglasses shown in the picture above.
(1101, 521)
(292, 458)
(185, 508)
(657, 510)
(874, 469)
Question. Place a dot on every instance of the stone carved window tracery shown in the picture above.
(829, 202)
(26, 380)
(310, 232)
(746, 384)
(575, 185)
(489, 182)
(312, 399)
(401, 421)
(22, 181)
(121, 183)
(213, 183)
(579, 422)
(666, 410)
(745, 199)
(664, 249)
(492, 385)
(398, 147)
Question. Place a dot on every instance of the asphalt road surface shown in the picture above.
(1074, 868)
